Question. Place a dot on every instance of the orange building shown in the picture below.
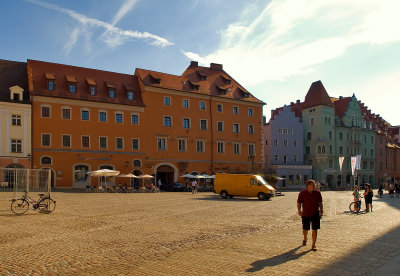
(147, 123)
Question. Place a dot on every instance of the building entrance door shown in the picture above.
(166, 174)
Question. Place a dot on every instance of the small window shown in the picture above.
(135, 144)
(236, 148)
(85, 115)
(118, 118)
(66, 141)
(161, 144)
(130, 95)
(236, 128)
(45, 160)
(285, 143)
(235, 110)
(275, 142)
(50, 85)
(295, 143)
(295, 158)
(111, 93)
(276, 158)
(330, 135)
(85, 142)
(312, 121)
(181, 144)
(66, 113)
(102, 116)
(186, 123)
(102, 142)
(185, 103)
(137, 163)
(203, 124)
(284, 159)
(46, 140)
(119, 143)
(72, 88)
(251, 129)
(15, 120)
(220, 126)
(219, 107)
(250, 112)
(220, 147)
(340, 136)
(45, 112)
(308, 150)
(251, 149)
(135, 119)
(200, 146)
(309, 136)
(167, 101)
(16, 145)
(202, 106)
(167, 121)
(93, 90)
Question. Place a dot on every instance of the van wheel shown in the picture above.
(224, 194)
(261, 196)
(230, 196)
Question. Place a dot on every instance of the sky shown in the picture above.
(275, 49)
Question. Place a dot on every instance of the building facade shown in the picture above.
(284, 148)
(146, 123)
(15, 118)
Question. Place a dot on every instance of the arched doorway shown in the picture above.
(329, 180)
(81, 178)
(13, 174)
(166, 173)
(135, 182)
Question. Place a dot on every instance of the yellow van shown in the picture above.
(229, 185)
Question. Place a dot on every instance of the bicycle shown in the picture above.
(45, 204)
(355, 206)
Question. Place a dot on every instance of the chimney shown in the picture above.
(291, 103)
(340, 97)
(216, 66)
(297, 101)
(194, 64)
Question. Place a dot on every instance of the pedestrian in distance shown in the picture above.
(391, 190)
(194, 186)
(368, 197)
(380, 190)
(310, 208)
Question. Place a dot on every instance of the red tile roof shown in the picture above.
(192, 81)
(317, 95)
(38, 70)
(13, 73)
(341, 105)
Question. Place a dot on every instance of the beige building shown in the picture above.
(15, 117)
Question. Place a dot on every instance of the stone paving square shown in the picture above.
(185, 234)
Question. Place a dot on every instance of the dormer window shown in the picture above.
(226, 80)
(130, 95)
(71, 84)
(223, 89)
(194, 85)
(111, 89)
(155, 80)
(16, 93)
(111, 92)
(51, 83)
(202, 76)
(245, 94)
(92, 87)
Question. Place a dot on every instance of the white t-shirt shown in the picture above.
(194, 183)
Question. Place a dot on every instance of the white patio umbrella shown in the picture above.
(104, 173)
(188, 175)
(144, 176)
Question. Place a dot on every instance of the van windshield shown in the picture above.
(259, 178)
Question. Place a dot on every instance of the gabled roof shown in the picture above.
(317, 95)
(200, 80)
(103, 80)
(341, 105)
(13, 73)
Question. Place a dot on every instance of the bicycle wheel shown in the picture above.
(47, 205)
(19, 206)
(355, 207)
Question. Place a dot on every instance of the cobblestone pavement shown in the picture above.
(185, 234)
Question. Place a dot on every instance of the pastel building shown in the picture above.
(154, 123)
(15, 118)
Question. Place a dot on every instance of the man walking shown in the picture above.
(310, 208)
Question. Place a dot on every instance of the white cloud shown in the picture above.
(112, 36)
(288, 38)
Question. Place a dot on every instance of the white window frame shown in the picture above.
(183, 103)
(184, 143)
(249, 145)
(138, 118)
(165, 101)
(41, 139)
(250, 110)
(238, 127)
(85, 109)
(218, 147)
(41, 110)
(62, 140)
(165, 143)
(62, 112)
(82, 142)
(17, 142)
(222, 123)
(165, 116)
(205, 105)
(116, 143)
(100, 142)
(222, 107)
(206, 124)
(203, 145)
(183, 123)
(238, 145)
(17, 118)
(51, 160)
(138, 143)
(237, 110)
(119, 113)
(248, 129)
(103, 111)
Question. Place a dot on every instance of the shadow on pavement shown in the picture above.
(381, 255)
(277, 260)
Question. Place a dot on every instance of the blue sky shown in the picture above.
(275, 49)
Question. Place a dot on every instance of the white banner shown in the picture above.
(341, 159)
(358, 165)
(353, 164)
